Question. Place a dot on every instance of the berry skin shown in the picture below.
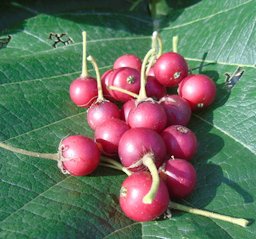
(100, 112)
(170, 68)
(108, 135)
(199, 90)
(80, 155)
(105, 79)
(177, 109)
(134, 188)
(180, 141)
(83, 91)
(137, 142)
(126, 108)
(154, 89)
(128, 60)
(125, 78)
(179, 176)
(149, 115)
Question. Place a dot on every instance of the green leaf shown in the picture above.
(37, 201)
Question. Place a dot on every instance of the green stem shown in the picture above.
(239, 221)
(127, 92)
(143, 80)
(116, 165)
(99, 85)
(175, 41)
(29, 153)
(148, 160)
(84, 62)
(160, 46)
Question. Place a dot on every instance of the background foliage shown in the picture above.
(36, 200)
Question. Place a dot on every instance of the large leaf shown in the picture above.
(37, 201)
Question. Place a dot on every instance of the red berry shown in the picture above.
(180, 141)
(100, 112)
(133, 190)
(179, 176)
(83, 91)
(80, 155)
(125, 78)
(137, 142)
(154, 89)
(170, 68)
(108, 135)
(126, 108)
(199, 90)
(148, 114)
(128, 60)
(177, 109)
(105, 79)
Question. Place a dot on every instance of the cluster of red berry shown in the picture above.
(148, 134)
(147, 138)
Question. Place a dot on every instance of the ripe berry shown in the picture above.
(83, 91)
(177, 109)
(105, 79)
(154, 89)
(79, 155)
(125, 78)
(108, 135)
(149, 115)
(128, 60)
(126, 108)
(179, 176)
(199, 90)
(100, 112)
(180, 141)
(132, 192)
(170, 68)
(137, 142)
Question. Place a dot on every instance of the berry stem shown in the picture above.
(96, 68)
(143, 80)
(148, 160)
(84, 62)
(156, 40)
(160, 46)
(175, 41)
(116, 165)
(29, 153)
(127, 92)
(239, 221)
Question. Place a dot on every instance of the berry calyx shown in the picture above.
(79, 155)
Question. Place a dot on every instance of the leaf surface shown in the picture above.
(37, 201)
